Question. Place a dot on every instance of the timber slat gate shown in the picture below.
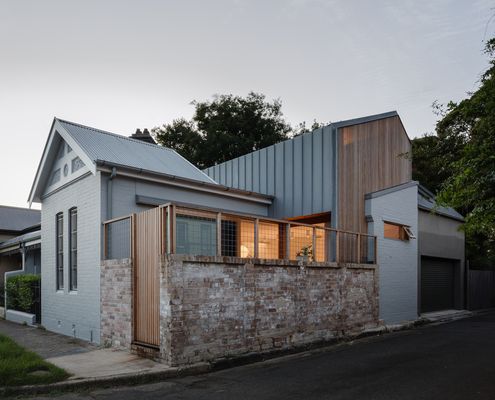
(147, 278)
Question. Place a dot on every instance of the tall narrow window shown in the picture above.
(60, 250)
(73, 248)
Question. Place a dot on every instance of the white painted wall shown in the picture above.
(64, 310)
(397, 259)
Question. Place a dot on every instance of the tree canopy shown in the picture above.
(458, 162)
(227, 127)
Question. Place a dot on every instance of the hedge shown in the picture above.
(20, 292)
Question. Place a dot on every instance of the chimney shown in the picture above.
(144, 136)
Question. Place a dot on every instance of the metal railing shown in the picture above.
(195, 231)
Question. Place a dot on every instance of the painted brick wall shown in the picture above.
(397, 260)
(219, 307)
(73, 313)
(116, 303)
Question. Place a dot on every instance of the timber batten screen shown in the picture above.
(371, 156)
(146, 268)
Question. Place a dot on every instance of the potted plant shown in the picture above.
(305, 254)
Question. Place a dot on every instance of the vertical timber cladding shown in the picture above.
(147, 278)
(371, 156)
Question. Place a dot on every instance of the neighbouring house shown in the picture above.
(278, 248)
(19, 240)
(20, 233)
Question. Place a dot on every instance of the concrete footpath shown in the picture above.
(91, 366)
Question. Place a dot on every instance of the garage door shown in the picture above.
(437, 284)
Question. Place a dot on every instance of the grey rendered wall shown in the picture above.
(440, 236)
(63, 311)
(397, 259)
(124, 191)
(300, 173)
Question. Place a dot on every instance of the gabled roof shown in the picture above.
(97, 147)
(16, 219)
(426, 201)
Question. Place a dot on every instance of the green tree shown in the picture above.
(459, 162)
(226, 127)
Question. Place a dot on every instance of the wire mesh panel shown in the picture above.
(330, 245)
(301, 242)
(196, 233)
(118, 239)
(246, 238)
(320, 244)
(268, 240)
(348, 247)
(237, 236)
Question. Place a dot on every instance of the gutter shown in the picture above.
(185, 183)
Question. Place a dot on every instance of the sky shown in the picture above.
(122, 65)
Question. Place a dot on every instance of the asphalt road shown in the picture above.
(448, 361)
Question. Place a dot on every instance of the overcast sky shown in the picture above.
(120, 65)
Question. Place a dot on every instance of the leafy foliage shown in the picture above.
(20, 292)
(459, 163)
(226, 127)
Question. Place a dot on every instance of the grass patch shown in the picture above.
(21, 367)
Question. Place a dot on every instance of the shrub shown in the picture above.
(20, 292)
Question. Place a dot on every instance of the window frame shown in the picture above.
(59, 251)
(405, 232)
(73, 249)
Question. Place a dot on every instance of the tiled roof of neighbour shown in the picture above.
(18, 219)
(102, 146)
(426, 201)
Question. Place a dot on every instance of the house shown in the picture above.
(192, 259)
(87, 176)
(19, 240)
(341, 173)
(19, 246)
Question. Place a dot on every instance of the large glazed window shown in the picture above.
(59, 233)
(196, 235)
(73, 248)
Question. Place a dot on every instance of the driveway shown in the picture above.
(449, 361)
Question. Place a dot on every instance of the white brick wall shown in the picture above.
(397, 260)
(73, 313)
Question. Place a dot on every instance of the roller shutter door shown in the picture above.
(437, 284)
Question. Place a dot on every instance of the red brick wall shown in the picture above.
(219, 307)
(116, 303)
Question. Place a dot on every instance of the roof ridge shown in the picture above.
(113, 134)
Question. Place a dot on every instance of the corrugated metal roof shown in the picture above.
(18, 219)
(27, 237)
(426, 201)
(116, 149)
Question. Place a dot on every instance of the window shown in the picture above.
(397, 231)
(76, 164)
(73, 249)
(59, 232)
(196, 235)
